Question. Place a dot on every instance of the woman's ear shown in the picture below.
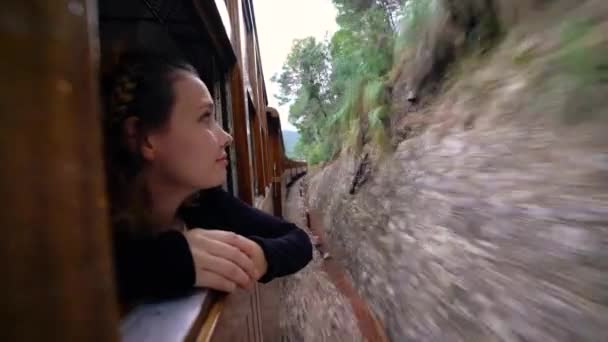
(138, 141)
(146, 147)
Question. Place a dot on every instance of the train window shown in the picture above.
(258, 141)
(251, 142)
(223, 117)
(172, 28)
(228, 125)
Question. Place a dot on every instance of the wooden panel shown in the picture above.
(257, 314)
(266, 174)
(259, 164)
(235, 21)
(270, 309)
(240, 319)
(244, 65)
(251, 145)
(276, 159)
(267, 159)
(261, 156)
(57, 282)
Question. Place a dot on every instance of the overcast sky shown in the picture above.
(279, 22)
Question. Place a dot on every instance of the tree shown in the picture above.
(305, 74)
(318, 77)
(304, 82)
(349, 10)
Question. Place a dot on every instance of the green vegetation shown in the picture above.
(341, 89)
(584, 63)
(580, 59)
(337, 87)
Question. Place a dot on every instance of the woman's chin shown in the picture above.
(218, 178)
(211, 184)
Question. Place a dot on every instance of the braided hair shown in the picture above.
(139, 84)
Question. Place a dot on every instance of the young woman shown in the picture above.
(174, 226)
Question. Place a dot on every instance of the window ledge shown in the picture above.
(167, 321)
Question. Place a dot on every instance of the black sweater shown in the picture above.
(162, 266)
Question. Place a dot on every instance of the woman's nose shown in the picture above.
(225, 138)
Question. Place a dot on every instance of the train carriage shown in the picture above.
(58, 282)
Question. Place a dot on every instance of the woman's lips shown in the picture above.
(222, 160)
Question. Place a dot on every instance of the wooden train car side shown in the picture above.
(58, 281)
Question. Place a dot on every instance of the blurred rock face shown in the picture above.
(491, 223)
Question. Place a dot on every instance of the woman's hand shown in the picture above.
(224, 260)
(259, 259)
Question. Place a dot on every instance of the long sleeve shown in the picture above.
(153, 267)
(287, 248)
(162, 266)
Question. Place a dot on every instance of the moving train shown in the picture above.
(56, 255)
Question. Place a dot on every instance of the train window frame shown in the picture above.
(250, 111)
(142, 27)
(248, 17)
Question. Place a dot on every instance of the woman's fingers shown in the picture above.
(222, 244)
(242, 243)
(223, 267)
(235, 255)
(214, 281)
(226, 255)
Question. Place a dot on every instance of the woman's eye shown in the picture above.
(206, 118)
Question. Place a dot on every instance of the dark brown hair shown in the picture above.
(139, 84)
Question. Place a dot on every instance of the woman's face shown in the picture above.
(189, 152)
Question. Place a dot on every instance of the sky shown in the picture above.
(279, 22)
